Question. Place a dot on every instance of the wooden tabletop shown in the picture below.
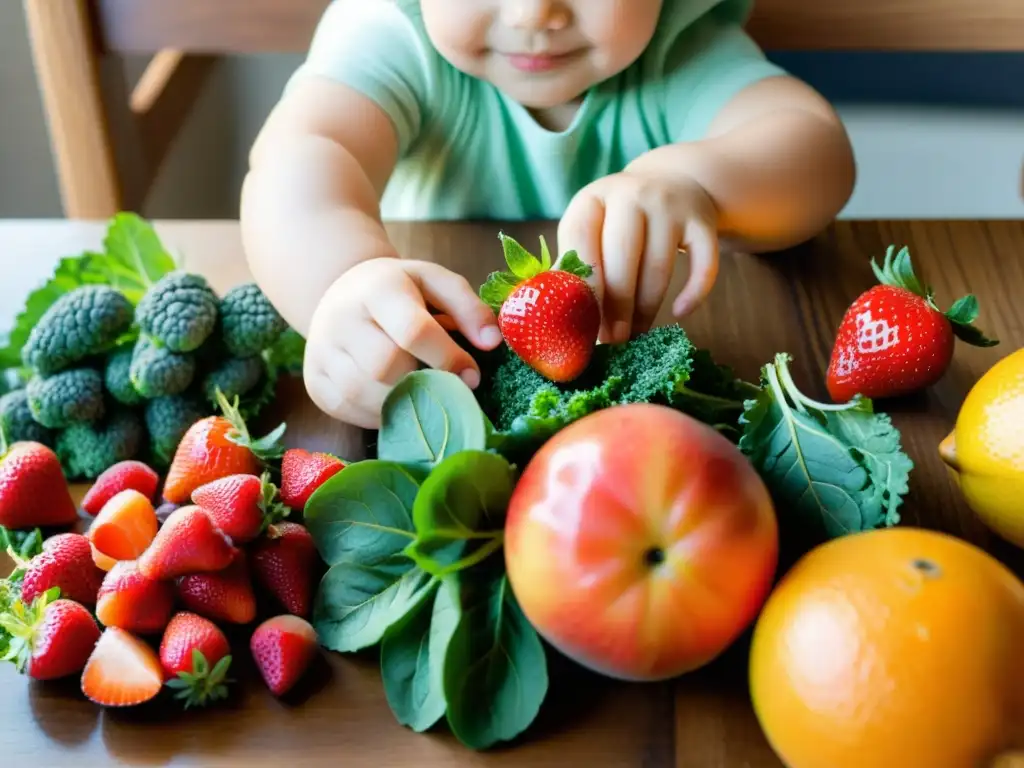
(790, 302)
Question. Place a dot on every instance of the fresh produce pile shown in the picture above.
(119, 352)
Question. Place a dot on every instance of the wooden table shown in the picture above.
(760, 306)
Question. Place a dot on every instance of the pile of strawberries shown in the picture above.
(163, 583)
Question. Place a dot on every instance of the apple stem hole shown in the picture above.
(654, 557)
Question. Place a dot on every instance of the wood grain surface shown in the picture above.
(787, 302)
(259, 26)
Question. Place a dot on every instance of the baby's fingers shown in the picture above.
(451, 294)
(340, 389)
(700, 240)
(580, 230)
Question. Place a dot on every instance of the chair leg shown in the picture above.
(67, 72)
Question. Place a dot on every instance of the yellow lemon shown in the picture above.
(985, 450)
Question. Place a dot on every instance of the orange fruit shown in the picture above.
(125, 526)
(897, 647)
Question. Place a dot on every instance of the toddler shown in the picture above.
(644, 127)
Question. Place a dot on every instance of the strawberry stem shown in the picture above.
(202, 685)
(522, 265)
(274, 511)
(266, 448)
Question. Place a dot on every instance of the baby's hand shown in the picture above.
(630, 228)
(373, 326)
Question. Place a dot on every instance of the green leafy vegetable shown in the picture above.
(495, 671)
(134, 259)
(459, 512)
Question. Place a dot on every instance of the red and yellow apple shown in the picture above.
(640, 542)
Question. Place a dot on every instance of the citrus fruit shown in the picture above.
(985, 450)
(894, 647)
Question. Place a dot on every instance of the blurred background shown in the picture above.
(936, 136)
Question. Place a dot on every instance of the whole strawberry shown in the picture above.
(283, 648)
(50, 638)
(123, 476)
(548, 316)
(130, 601)
(215, 447)
(188, 542)
(195, 657)
(241, 505)
(283, 561)
(224, 596)
(65, 562)
(303, 472)
(893, 340)
(33, 489)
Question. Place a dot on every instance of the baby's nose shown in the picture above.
(538, 14)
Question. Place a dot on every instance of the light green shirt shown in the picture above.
(470, 152)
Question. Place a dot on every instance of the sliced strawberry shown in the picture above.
(49, 638)
(103, 562)
(123, 671)
(303, 472)
(65, 562)
(283, 648)
(129, 600)
(188, 542)
(119, 477)
(225, 596)
(241, 505)
(125, 526)
(283, 561)
(196, 657)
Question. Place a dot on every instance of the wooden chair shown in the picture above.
(99, 176)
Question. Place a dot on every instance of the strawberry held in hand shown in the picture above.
(894, 340)
(549, 316)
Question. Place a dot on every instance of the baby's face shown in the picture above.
(542, 53)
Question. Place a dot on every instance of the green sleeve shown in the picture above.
(381, 51)
(708, 64)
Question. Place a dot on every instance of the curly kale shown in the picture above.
(85, 450)
(249, 322)
(117, 377)
(235, 377)
(66, 398)
(17, 422)
(180, 311)
(167, 420)
(156, 371)
(80, 324)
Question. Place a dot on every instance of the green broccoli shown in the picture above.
(249, 322)
(117, 377)
(235, 377)
(66, 398)
(156, 371)
(180, 311)
(81, 323)
(85, 450)
(17, 422)
(167, 421)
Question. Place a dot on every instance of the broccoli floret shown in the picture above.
(85, 450)
(117, 377)
(167, 420)
(81, 323)
(66, 398)
(156, 371)
(180, 311)
(248, 320)
(236, 376)
(17, 422)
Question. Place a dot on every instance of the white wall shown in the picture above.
(914, 162)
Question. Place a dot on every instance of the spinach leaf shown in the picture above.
(427, 417)
(412, 657)
(357, 602)
(459, 513)
(363, 514)
(135, 259)
(495, 671)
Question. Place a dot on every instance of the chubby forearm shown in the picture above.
(778, 166)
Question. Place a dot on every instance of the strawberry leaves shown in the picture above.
(961, 316)
(522, 265)
(202, 685)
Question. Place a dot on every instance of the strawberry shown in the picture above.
(550, 317)
(226, 596)
(123, 671)
(303, 472)
(283, 648)
(65, 562)
(103, 562)
(125, 526)
(124, 475)
(188, 542)
(33, 489)
(893, 340)
(283, 561)
(241, 505)
(215, 447)
(195, 656)
(130, 601)
(50, 637)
